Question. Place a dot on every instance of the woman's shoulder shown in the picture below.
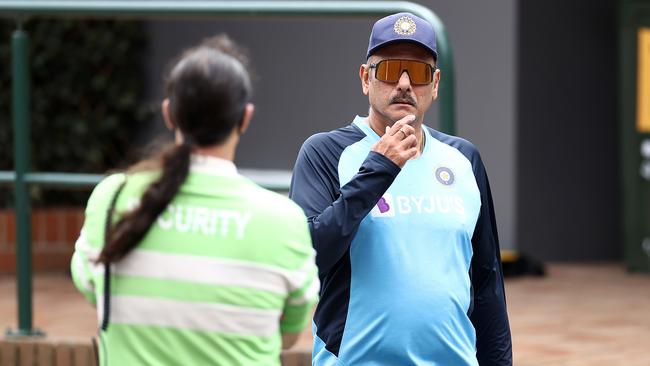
(105, 189)
(108, 186)
(273, 203)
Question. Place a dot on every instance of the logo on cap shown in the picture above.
(404, 26)
(445, 176)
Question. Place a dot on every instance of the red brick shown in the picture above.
(7, 264)
(8, 353)
(38, 225)
(52, 226)
(60, 223)
(83, 355)
(27, 353)
(11, 229)
(73, 222)
(45, 354)
(51, 261)
(63, 354)
(3, 230)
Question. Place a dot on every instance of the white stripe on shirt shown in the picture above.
(201, 316)
(207, 270)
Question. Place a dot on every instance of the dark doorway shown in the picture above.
(568, 169)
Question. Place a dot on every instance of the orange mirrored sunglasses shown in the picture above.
(420, 73)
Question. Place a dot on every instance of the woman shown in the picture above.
(200, 266)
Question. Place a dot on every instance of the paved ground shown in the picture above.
(579, 315)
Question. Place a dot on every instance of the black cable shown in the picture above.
(107, 267)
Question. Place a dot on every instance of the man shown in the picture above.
(402, 221)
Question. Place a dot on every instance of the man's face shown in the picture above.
(393, 101)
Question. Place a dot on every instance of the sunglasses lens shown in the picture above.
(419, 72)
(387, 70)
(390, 71)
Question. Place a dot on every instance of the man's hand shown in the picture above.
(399, 143)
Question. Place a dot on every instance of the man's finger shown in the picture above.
(409, 142)
(407, 119)
(410, 153)
(408, 130)
(401, 123)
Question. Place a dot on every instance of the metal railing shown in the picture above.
(21, 10)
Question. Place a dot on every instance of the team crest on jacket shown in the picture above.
(445, 176)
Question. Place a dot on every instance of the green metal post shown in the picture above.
(20, 108)
(21, 119)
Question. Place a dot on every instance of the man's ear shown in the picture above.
(169, 123)
(436, 84)
(246, 119)
(364, 75)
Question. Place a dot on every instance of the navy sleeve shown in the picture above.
(335, 213)
(489, 315)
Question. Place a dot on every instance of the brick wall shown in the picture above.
(45, 352)
(27, 352)
(54, 232)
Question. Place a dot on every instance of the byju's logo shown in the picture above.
(384, 207)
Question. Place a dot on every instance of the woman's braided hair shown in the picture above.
(208, 89)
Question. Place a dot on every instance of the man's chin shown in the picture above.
(406, 106)
(401, 114)
(402, 110)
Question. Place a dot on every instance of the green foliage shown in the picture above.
(86, 96)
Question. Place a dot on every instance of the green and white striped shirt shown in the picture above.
(223, 271)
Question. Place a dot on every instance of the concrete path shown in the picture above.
(578, 315)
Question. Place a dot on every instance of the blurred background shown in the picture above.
(547, 91)
(536, 92)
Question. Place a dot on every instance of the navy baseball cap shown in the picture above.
(402, 27)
